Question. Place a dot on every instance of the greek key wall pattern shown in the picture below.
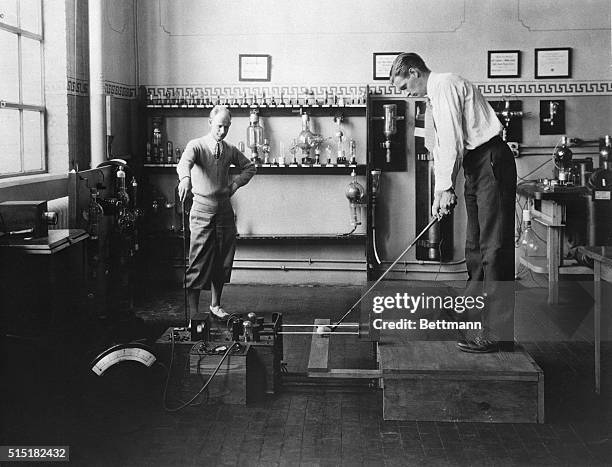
(353, 91)
(489, 89)
(80, 87)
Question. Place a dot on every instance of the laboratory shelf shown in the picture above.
(360, 169)
(263, 110)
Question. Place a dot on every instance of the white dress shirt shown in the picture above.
(463, 120)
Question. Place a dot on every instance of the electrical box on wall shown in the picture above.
(387, 130)
(510, 114)
(552, 117)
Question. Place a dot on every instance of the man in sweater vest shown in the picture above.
(204, 171)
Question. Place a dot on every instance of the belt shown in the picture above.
(495, 140)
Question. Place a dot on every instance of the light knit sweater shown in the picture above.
(210, 178)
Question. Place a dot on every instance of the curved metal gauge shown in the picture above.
(120, 353)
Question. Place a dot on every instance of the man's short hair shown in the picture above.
(219, 108)
(403, 62)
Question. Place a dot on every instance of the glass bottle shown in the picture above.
(122, 194)
(254, 135)
(169, 152)
(353, 152)
(156, 140)
(265, 151)
(94, 213)
(148, 159)
(341, 152)
(562, 158)
(528, 240)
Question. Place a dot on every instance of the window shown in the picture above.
(22, 111)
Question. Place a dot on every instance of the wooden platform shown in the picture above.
(426, 380)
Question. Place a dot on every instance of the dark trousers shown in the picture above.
(490, 190)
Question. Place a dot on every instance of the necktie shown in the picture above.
(218, 150)
(430, 129)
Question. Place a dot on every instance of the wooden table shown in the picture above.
(547, 207)
(602, 270)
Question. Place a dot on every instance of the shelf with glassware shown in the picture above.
(310, 153)
(307, 154)
(275, 169)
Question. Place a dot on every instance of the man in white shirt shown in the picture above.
(466, 130)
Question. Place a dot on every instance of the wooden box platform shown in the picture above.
(435, 381)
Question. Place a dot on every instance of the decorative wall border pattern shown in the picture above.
(77, 87)
(80, 87)
(120, 90)
(357, 91)
(539, 88)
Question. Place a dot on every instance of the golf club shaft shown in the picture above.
(417, 238)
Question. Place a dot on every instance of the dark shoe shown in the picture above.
(478, 345)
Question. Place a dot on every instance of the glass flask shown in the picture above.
(528, 240)
(306, 139)
(355, 193)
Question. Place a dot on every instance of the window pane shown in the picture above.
(32, 141)
(9, 64)
(10, 159)
(8, 12)
(31, 90)
(30, 15)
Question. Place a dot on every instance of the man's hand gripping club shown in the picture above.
(444, 202)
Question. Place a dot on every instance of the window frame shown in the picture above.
(20, 106)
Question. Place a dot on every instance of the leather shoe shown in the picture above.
(219, 313)
(477, 345)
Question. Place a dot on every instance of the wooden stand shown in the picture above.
(435, 381)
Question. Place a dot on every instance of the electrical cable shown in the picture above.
(524, 177)
(348, 233)
(202, 389)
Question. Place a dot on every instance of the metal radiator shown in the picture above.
(60, 206)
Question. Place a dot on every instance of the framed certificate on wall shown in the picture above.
(382, 62)
(254, 67)
(553, 62)
(504, 64)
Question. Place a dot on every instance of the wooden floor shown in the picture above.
(50, 398)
